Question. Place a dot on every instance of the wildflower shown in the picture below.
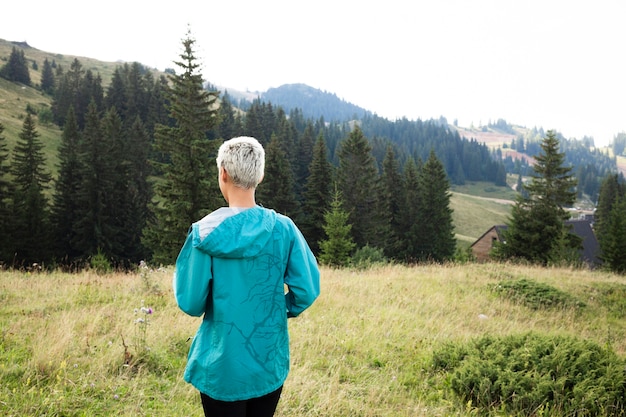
(146, 310)
(116, 397)
(140, 320)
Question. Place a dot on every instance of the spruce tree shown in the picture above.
(47, 78)
(276, 191)
(338, 245)
(358, 182)
(229, 126)
(117, 197)
(31, 179)
(94, 227)
(67, 94)
(317, 194)
(409, 216)
(6, 192)
(16, 69)
(116, 92)
(65, 207)
(610, 221)
(189, 188)
(304, 156)
(158, 104)
(288, 137)
(392, 188)
(613, 243)
(435, 227)
(138, 190)
(536, 231)
(611, 190)
(136, 95)
(553, 183)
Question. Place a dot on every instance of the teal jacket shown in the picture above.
(233, 269)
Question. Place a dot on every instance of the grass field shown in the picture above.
(70, 344)
(473, 214)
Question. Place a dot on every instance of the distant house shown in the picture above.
(588, 254)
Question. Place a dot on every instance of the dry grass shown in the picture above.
(362, 349)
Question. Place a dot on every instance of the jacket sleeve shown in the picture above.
(302, 276)
(192, 278)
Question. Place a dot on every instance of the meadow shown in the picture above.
(81, 344)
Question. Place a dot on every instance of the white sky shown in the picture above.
(547, 63)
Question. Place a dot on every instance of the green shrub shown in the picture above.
(535, 295)
(368, 256)
(100, 263)
(464, 255)
(45, 116)
(521, 374)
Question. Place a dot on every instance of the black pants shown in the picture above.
(264, 406)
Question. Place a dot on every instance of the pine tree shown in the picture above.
(288, 137)
(338, 245)
(276, 191)
(613, 243)
(116, 92)
(117, 197)
(138, 190)
(16, 69)
(317, 194)
(189, 189)
(435, 228)
(47, 78)
(358, 181)
(136, 95)
(304, 156)
(229, 126)
(65, 208)
(6, 192)
(409, 217)
(390, 202)
(611, 191)
(609, 223)
(536, 229)
(553, 183)
(31, 222)
(94, 228)
(158, 105)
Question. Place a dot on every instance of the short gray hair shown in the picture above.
(243, 158)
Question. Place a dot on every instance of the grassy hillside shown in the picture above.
(473, 215)
(13, 102)
(70, 346)
(14, 98)
(105, 69)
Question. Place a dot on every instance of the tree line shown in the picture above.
(137, 167)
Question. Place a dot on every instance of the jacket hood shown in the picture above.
(241, 235)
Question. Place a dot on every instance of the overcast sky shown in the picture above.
(547, 63)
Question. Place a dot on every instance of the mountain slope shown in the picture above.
(314, 103)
